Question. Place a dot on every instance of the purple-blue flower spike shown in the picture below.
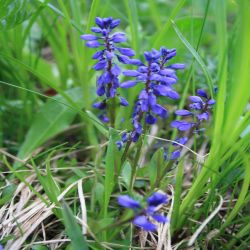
(146, 216)
(107, 57)
(158, 79)
(199, 111)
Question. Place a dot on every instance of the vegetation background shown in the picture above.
(57, 158)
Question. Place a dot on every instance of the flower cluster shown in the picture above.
(199, 111)
(108, 56)
(158, 80)
(144, 215)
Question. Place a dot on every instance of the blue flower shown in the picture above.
(158, 79)
(181, 125)
(146, 215)
(108, 56)
(199, 107)
(157, 199)
(199, 111)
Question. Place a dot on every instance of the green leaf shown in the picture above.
(155, 165)
(126, 173)
(39, 247)
(110, 169)
(50, 186)
(7, 194)
(12, 13)
(53, 117)
(72, 229)
(99, 193)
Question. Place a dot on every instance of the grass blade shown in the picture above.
(196, 56)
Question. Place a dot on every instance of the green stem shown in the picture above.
(134, 166)
(112, 112)
(125, 153)
(162, 174)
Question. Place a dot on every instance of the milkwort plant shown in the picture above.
(157, 76)
(198, 111)
(107, 61)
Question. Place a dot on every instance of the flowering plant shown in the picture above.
(157, 77)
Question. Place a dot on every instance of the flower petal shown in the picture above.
(96, 29)
(99, 105)
(150, 119)
(175, 155)
(143, 222)
(126, 51)
(119, 144)
(159, 110)
(131, 73)
(88, 37)
(116, 70)
(115, 23)
(93, 44)
(203, 116)
(211, 102)
(119, 37)
(183, 112)
(157, 199)
(127, 201)
(195, 98)
(100, 65)
(181, 125)
(159, 218)
(128, 84)
(177, 66)
(201, 93)
(123, 101)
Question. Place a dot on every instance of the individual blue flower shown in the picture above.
(180, 140)
(181, 125)
(156, 199)
(146, 216)
(175, 155)
(108, 56)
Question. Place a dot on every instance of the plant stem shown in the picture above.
(125, 153)
(112, 112)
(134, 166)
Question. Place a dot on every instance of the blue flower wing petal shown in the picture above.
(143, 222)
(127, 201)
(160, 218)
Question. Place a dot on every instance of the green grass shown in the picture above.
(56, 156)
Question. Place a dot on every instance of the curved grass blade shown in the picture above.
(160, 36)
(133, 23)
(196, 56)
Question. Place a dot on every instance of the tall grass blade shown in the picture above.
(197, 57)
